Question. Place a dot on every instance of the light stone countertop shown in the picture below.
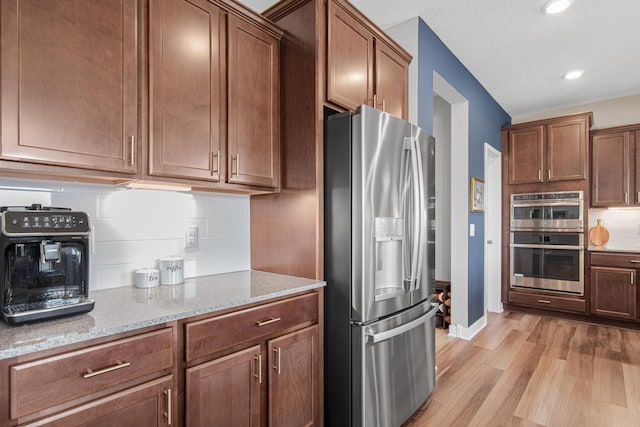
(128, 308)
(628, 249)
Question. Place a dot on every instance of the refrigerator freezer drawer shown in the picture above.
(397, 367)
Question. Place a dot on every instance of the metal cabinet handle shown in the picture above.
(626, 197)
(540, 175)
(632, 276)
(216, 162)
(549, 174)
(638, 197)
(268, 322)
(544, 301)
(276, 367)
(258, 375)
(167, 414)
(634, 261)
(235, 158)
(132, 142)
(119, 365)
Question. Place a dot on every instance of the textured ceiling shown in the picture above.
(520, 54)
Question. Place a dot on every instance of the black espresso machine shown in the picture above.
(44, 262)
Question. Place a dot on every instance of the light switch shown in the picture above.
(472, 230)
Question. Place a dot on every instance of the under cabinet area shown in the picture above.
(548, 150)
(363, 65)
(114, 382)
(615, 167)
(262, 357)
(614, 278)
(69, 84)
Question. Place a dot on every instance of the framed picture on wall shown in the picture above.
(477, 195)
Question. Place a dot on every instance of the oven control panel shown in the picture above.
(44, 222)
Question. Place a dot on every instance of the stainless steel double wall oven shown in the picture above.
(547, 241)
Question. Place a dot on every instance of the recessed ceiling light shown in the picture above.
(556, 6)
(572, 75)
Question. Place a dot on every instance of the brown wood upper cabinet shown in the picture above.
(186, 89)
(69, 83)
(615, 167)
(364, 66)
(549, 150)
(200, 113)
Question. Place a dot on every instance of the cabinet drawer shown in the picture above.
(549, 302)
(213, 335)
(615, 260)
(48, 382)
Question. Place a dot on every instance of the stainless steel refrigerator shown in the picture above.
(379, 253)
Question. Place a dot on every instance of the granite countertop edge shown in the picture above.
(48, 336)
(632, 250)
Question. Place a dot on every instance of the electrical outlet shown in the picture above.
(191, 237)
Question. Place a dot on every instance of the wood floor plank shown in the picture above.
(608, 380)
(542, 391)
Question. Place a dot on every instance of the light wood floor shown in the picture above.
(528, 370)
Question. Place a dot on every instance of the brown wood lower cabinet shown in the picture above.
(147, 405)
(614, 285)
(272, 379)
(226, 390)
(293, 379)
(254, 366)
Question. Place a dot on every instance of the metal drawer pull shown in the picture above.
(267, 322)
(119, 365)
(635, 261)
(544, 301)
(276, 368)
(167, 392)
(632, 276)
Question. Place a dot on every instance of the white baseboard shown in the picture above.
(467, 333)
(499, 308)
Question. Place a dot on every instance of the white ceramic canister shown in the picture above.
(147, 278)
(171, 270)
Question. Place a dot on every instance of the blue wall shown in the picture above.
(486, 117)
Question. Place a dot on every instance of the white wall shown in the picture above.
(606, 114)
(132, 229)
(442, 134)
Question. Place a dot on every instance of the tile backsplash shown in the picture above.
(132, 229)
(623, 225)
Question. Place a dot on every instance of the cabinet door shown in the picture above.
(69, 83)
(150, 404)
(613, 292)
(186, 72)
(349, 60)
(610, 163)
(254, 129)
(525, 155)
(294, 379)
(567, 150)
(225, 391)
(392, 74)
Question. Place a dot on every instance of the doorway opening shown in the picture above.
(451, 131)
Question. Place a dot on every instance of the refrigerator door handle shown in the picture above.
(410, 178)
(382, 336)
(421, 212)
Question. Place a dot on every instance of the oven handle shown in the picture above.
(520, 245)
(545, 203)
